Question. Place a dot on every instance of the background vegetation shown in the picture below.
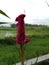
(39, 44)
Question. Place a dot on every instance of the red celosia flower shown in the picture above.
(21, 37)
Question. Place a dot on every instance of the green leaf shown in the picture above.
(3, 13)
(3, 22)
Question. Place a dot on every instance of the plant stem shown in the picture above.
(22, 54)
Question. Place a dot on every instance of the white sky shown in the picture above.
(34, 9)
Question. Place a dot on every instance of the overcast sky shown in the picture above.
(35, 10)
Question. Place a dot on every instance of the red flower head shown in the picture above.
(21, 37)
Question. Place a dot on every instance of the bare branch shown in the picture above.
(47, 3)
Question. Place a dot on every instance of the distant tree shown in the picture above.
(13, 25)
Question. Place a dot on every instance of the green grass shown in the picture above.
(39, 45)
(36, 47)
